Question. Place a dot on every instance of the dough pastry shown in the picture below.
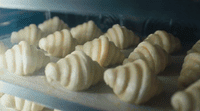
(86, 32)
(103, 51)
(23, 59)
(156, 58)
(122, 37)
(166, 40)
(133, 82)
(19, 104)
(190, 70)
(187, 100)
(31, 34)
(195, 48)
(3, 48)
(58, 44)
(75, 72)
(52, 25)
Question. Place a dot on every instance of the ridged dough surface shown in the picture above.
(75, 72)
(166, 40)
(19, 104)
(58, 44)
(86, 32)
(3, 48)
(23, 59)
(122, 37)
(156, 58)
(187, 100)
(195, 48)
(133, 82)
(103, 51)
(52, 25)
(31, 34)
(190, 71)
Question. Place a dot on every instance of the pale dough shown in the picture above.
(187, 100)
(195, 48)
(103, 51)
(23, 59)
(133, 82)
(52, 25)
(122, 37)
(3, 48)
(75, 72)
(58, 44)
(165, 40)
(86, 32)
(31, 34)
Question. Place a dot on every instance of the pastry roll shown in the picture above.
(195, 48)
(187, 100)
(75, 72)
(19, 104)
(165, 40)
(122, 37)
(155, 57)
(86, 32)
(58, 44)
(133, 82)
(190, 71)
(52, 25)
(23, 59)
(31, 34)
(103, 51)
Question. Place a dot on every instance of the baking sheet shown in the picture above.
(100, 96)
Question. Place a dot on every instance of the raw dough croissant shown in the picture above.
(133, 82)
(58, 44)
(19, 104)
(75, 72)
(190, 70)
(103, 51)
(166, 40)
(31, 34)
(23, 59)
(52, 25)
(122, 37)
(156, 58)
(195, 48)
(86, 32)
(187, 100)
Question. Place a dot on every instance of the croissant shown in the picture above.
(122, 37)
(3, 48)
(31, 34)
(190, 71)
(102, 51)
(156, 58)
(86, 32)
(19, 104)
(195, 48)
(75, 72)
(133, 82)
(58, 44)
(52, 25)
(187, 100)
(166, 40)
(23, 59)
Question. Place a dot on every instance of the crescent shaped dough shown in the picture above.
(19, 104)
(190, 71)
(122, 37)
(75, 72)
(86, 32)
(31, 34)
(52, 25)
(133, 82)
(23, 59)
(156, 58)
(103, 51)
(187, 100)
(195, 48)
(166, 40)
(58, 44)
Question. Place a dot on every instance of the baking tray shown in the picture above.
(98, 97)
